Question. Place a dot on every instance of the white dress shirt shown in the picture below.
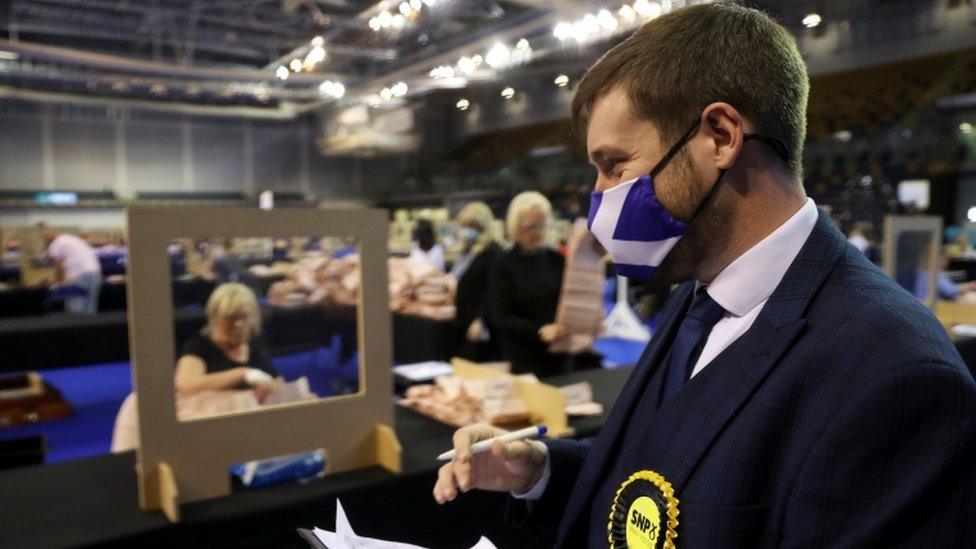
(742, 289)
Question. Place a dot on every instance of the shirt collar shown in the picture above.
(749, 280)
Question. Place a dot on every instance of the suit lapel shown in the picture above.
(687, 424)
(606, 442)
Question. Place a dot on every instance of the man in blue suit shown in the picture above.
(793, 395)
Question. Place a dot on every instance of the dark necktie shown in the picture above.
(689, 341)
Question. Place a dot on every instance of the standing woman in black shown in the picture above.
(475, 335)
(525, 288)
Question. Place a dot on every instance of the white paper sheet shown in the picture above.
(346, 538)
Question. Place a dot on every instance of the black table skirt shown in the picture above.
(42, 504)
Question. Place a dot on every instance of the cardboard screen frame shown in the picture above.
(185, 461)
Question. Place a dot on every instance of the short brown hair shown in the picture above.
(676, 65)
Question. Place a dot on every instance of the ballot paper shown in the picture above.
(964, 330)
(423, 371)
(345, 537)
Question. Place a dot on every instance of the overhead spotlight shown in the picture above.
(318, 41)
(398, 21)
(374, 23)
(463, 104)
(466, 65)
(374, 100)
(282, 72)
(812, 20)
(296, 65)
(971, 214)
(477, 60)
(966, 128)
(627, 13)
(315, 56)
(386, 94)
(441, 72)
(585, 28)
(522, 44)
(399, 89)
(332, 89)
(563, 30)
(498, 56)
(508, 93)
(606, 20)
(385, 19)
(430, 2)
(562, 81)
(416, 5)
(405, 8)
(645, 8)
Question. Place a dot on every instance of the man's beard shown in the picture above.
(707, 230)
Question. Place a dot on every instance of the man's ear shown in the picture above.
(724, 128)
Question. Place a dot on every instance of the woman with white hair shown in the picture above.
(225, 355)
(525, 288)
(474, 332)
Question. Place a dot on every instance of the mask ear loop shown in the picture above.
(674, 149)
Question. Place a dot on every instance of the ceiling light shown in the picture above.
(430, 2)
(627, 13)
(463, 104)
(562, 81)
(606, 20)
(282, 72)
(441, 72)
(498, 56)
(563, 30)
(386, 94)
(296, 65)
(966, 128)
(315, 56)
(398, 21)
(416, 5)
(405, 8)
(647, 9)
(332, 89)
(466, 65)
(522, 44)
(157, 89)
(385, 19)
(374, 23)
(399, 89)
(318, 41)
(508, 93)
(811, 20)
(971, 214)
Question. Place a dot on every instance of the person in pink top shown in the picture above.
(77, 265)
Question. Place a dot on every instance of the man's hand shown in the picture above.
(508, 467)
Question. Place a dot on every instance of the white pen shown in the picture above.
(485, 445)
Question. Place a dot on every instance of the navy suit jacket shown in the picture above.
(844, 417)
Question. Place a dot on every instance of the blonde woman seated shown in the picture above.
(225, 355)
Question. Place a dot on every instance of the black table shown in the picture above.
(94, 502)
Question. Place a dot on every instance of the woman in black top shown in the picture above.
(525, 288)
(225, 355)
(474, 333)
